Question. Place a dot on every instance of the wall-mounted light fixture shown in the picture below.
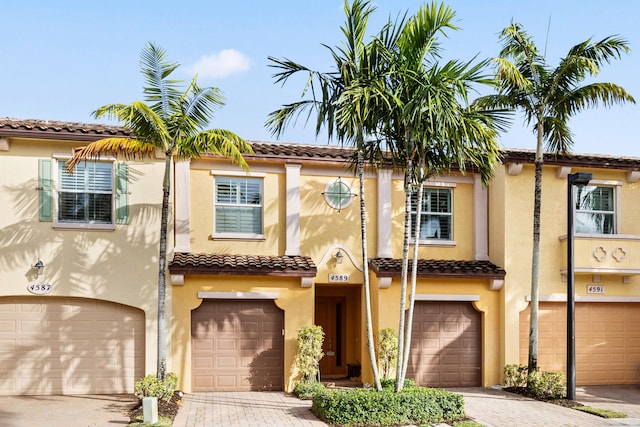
(339, 256)
(39, 267)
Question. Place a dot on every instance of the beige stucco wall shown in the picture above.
(296, 301)
(511, 241)
(118, 266)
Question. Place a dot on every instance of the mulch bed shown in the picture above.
(522, 391)
(166, 408)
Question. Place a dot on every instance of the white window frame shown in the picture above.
(437, 242)
(336, 199)
(617, 186)
(235, 235)
(59, 161)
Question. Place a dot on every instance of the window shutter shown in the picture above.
(46, 190)
(122, 193)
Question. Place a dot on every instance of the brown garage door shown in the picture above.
(237, 345)
(445, 345)
(607, 341)
(54, 345)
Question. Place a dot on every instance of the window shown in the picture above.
(95, 196)
(238, 205)
(436, 215)
(86, 196)
(595, 210)
(338, 194)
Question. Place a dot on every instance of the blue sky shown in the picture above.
(64, 59)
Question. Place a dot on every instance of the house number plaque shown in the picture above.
(339, 278)
(595, 289)
(39, 288)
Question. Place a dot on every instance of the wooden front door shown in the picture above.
(331, 315)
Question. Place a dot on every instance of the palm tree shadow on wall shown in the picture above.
(266, 371)
(77, 262)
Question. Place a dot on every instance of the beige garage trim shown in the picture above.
(52, 345)
(446, 347)
(607, 341)
(237, 345)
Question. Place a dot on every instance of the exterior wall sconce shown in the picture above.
(339, 256)
(39, 267)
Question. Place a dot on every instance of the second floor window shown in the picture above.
(436, 216)
(595, 210)
(86, 195)
(238, 205)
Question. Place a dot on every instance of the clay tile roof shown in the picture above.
(289, 151)
(391, 267)
(51, 129)
(584, 160)
(254, 265)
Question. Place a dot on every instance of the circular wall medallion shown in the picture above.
(338, 194)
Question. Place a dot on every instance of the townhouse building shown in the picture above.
(256, 255)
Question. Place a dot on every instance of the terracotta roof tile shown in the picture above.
(288, 151)
(585, 160)
(55, 129)
(391, 267)
(255, 265)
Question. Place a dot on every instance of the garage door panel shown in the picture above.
(445, 345)
(607, 341)
(60, 347)
(243, 339)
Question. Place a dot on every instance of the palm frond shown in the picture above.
(215, 141)
(161, 91)
(129, 148)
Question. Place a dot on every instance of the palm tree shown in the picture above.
(431, 128)
(355, 62)
(549, 97)
(172, 122)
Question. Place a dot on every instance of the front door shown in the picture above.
(331, 315)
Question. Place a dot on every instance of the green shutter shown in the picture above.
(45, 187)
(122, 193)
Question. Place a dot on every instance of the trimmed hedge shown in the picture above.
(365, 407)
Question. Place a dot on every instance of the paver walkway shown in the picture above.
(496, 408)
(245, 409)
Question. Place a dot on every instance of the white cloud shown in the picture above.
(220, 65)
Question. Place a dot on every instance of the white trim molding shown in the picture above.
(480, 220)
(183, 206)
(177, 279)
(384, 282)
(384, 213)
(447, 297)
(579, 298)
(4, 144)
(514, 168)
(330, 253)
(563, 171)
(238, 295)
(292, 209)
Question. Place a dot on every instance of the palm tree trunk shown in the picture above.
(365, 270)
(403, 276)
(414, 278)
(162, 267)
(535, 259)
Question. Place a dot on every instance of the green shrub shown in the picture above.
(307, 390)
(548, 385)
(151, 386)
(542, 385)
(387, 351)
(414, 405)
(310, 340)
(390, 383)
(515, 375)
